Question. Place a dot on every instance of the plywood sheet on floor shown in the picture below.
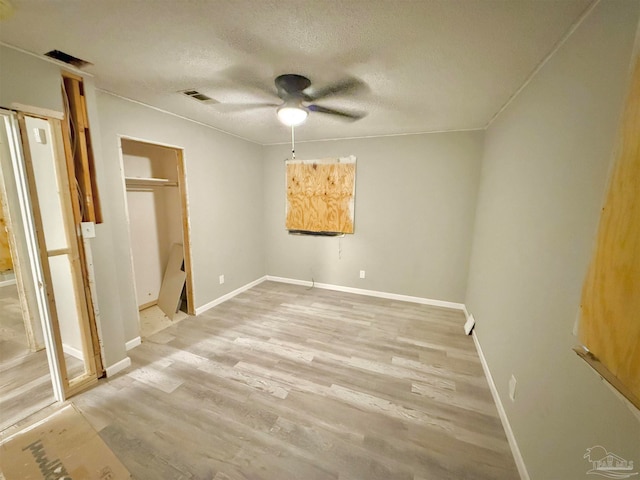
(154, 320)
(64, 445)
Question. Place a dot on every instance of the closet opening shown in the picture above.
(158, 217)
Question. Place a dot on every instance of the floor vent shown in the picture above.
(200, 97)
(68, 59)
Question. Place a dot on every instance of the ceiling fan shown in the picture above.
(299, 97)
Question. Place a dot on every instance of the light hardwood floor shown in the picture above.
(25, 380)
(283, 382)
(25, 383)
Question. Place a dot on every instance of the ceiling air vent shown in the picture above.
(66, 58)
(200, 97)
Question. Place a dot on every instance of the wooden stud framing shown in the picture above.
(71, 386)
(64, 151)
(186, 230)
(44, 258)
(83, 162)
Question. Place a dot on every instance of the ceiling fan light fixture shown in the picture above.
(292, 115)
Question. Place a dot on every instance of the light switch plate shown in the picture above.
(88, 229)
(40, 135)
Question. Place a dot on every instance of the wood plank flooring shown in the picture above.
(25, 382)
(283, 382)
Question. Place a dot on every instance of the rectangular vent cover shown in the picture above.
(200, 97)
(68, 59)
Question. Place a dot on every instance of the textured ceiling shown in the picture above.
(428, 65)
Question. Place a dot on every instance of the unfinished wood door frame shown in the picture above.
(25, 204)
(28, 316)
(184, 208)
(66, 151)
(91, 366)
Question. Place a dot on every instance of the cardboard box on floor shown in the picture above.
(62, 447)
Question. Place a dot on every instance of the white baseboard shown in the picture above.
(74, 352)
(118, 367)
(133, 343)
(224, 298)
(370, 293)
(517, 456)
(6, 283)
(466, 312)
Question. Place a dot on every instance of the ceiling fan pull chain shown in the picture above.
(293, 144)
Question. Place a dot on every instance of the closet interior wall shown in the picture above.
(155, 213)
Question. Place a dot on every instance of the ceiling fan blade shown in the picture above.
(246, 77)
(348, 85)
(340, 113)
(241, 107)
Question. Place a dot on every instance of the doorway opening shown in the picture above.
(25, 379)
(51, 292)
(159, 233)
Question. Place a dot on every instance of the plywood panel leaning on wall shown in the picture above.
(321, 195)
(610, 310)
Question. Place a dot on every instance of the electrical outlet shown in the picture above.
(221, 279)
(512, 388)
(362, 273)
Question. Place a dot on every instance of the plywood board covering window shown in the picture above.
(610, 310)
(321, 195)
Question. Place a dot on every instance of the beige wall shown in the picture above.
(414, 208)
(225, 193)
(28, 80)
(543, 179)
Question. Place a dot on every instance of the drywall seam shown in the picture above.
(133, 343)
(370, 293)
(118, 367)
(224, 298)
(515, 450)
(543, 62)
(107, 92)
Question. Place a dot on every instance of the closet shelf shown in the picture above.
(149, 182)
